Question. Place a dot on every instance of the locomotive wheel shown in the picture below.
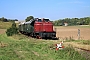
(38, 37)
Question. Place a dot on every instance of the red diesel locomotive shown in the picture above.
(39, 28)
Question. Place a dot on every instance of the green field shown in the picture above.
(20, 47)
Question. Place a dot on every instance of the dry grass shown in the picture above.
(35, 53)
(5, 25)
(76, 45)
(3, 44)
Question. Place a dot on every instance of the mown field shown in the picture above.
(71, 32)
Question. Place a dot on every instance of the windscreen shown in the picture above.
(46, 20)
(39, 20)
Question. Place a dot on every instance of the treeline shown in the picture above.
(7, 20)
(72, 21)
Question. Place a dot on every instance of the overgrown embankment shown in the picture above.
(20, 47)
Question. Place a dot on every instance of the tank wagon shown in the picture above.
(39, 28)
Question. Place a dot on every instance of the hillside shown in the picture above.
(5, 25)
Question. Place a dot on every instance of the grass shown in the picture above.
(87, 26)
(83, 42)
(20, 47)
(5, 25)
(86, 42)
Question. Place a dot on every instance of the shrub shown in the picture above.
(12, 30)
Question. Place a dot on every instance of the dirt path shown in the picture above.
(2, 31)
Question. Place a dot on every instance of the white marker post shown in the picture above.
(78, 33)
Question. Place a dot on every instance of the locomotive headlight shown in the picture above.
(44, 29)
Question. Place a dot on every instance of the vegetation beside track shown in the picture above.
(20, 47)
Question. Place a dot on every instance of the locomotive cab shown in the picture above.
(44, 28)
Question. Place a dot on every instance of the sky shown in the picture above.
(52, 9)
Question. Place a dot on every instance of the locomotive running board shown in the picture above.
(55, 38)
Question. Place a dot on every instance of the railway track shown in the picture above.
(83, 49)
(84, 52)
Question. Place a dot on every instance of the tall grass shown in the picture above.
(20, 47)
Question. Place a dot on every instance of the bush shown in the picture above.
(12, 30)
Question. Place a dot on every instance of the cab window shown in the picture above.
(39, 20)
(46, 20)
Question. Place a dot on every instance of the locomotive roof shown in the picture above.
(22, 23)
(29, 22)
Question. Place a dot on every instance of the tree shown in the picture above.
(16, 20)
(3, 19)
(29, 18)
(12, 30)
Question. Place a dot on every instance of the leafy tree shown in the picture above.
(73, 21)
(12, 30)
(16, 20)
(3, 19)
(29, 18)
